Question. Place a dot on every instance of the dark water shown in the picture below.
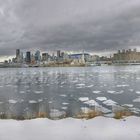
(64, 92)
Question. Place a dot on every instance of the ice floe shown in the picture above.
(32, 101)
(83, 99)
(115, 92)
(101, 98)
(63, 95)
(65, 103)
(12, 101)
(91, 103)
(137, 92)
(128, 105)
(40, 100)
(96, 92)
(109, 102)
(131, 90)
(111, 91)
(64, 107)
(38, 92)
(122, 86)
(22, 92)
(137, 99)
(80, 84)
(104, 110)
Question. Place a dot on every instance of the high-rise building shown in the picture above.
(62, 54)
(37, 56)
(45, 56)
(17, 55)
(28, 57)
(21, 57)
(58, 53)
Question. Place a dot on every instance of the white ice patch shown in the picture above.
(96, 92)
(38, 92)
(104, 110)
(80, 84)
(105, 85)
(12, 101)
(137, 92)
(62, 83)
(111, 91)
(64, 108)
(138, 78)
(131, 90)
(83, 99)
(22, 92)
(109, 102)
(91, 103)
(118, 92)
(122, 86)
(101, 98)
(128, 105)
(63, 95)
(32, 101)
(40, 100)
(65, 103)
(135, 109)
(137, 99)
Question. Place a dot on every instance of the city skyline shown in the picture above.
(95, 26)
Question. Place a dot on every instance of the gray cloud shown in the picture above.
(91, 25)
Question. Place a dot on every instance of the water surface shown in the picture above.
(56, 92)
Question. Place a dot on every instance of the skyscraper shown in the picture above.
(17, 55)
(37, 56)
(28, 57)
(58, 53)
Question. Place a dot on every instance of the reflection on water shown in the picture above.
(67, 92)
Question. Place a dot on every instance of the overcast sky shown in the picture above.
(90, 25)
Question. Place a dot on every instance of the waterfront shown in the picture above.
(64, 92)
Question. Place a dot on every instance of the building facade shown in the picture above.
(127, 56)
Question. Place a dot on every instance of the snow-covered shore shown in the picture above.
(99, 128)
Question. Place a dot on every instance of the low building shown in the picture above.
(127, 56)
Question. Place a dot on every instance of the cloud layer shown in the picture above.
(91, 25)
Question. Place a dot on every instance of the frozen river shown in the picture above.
(52, 92)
